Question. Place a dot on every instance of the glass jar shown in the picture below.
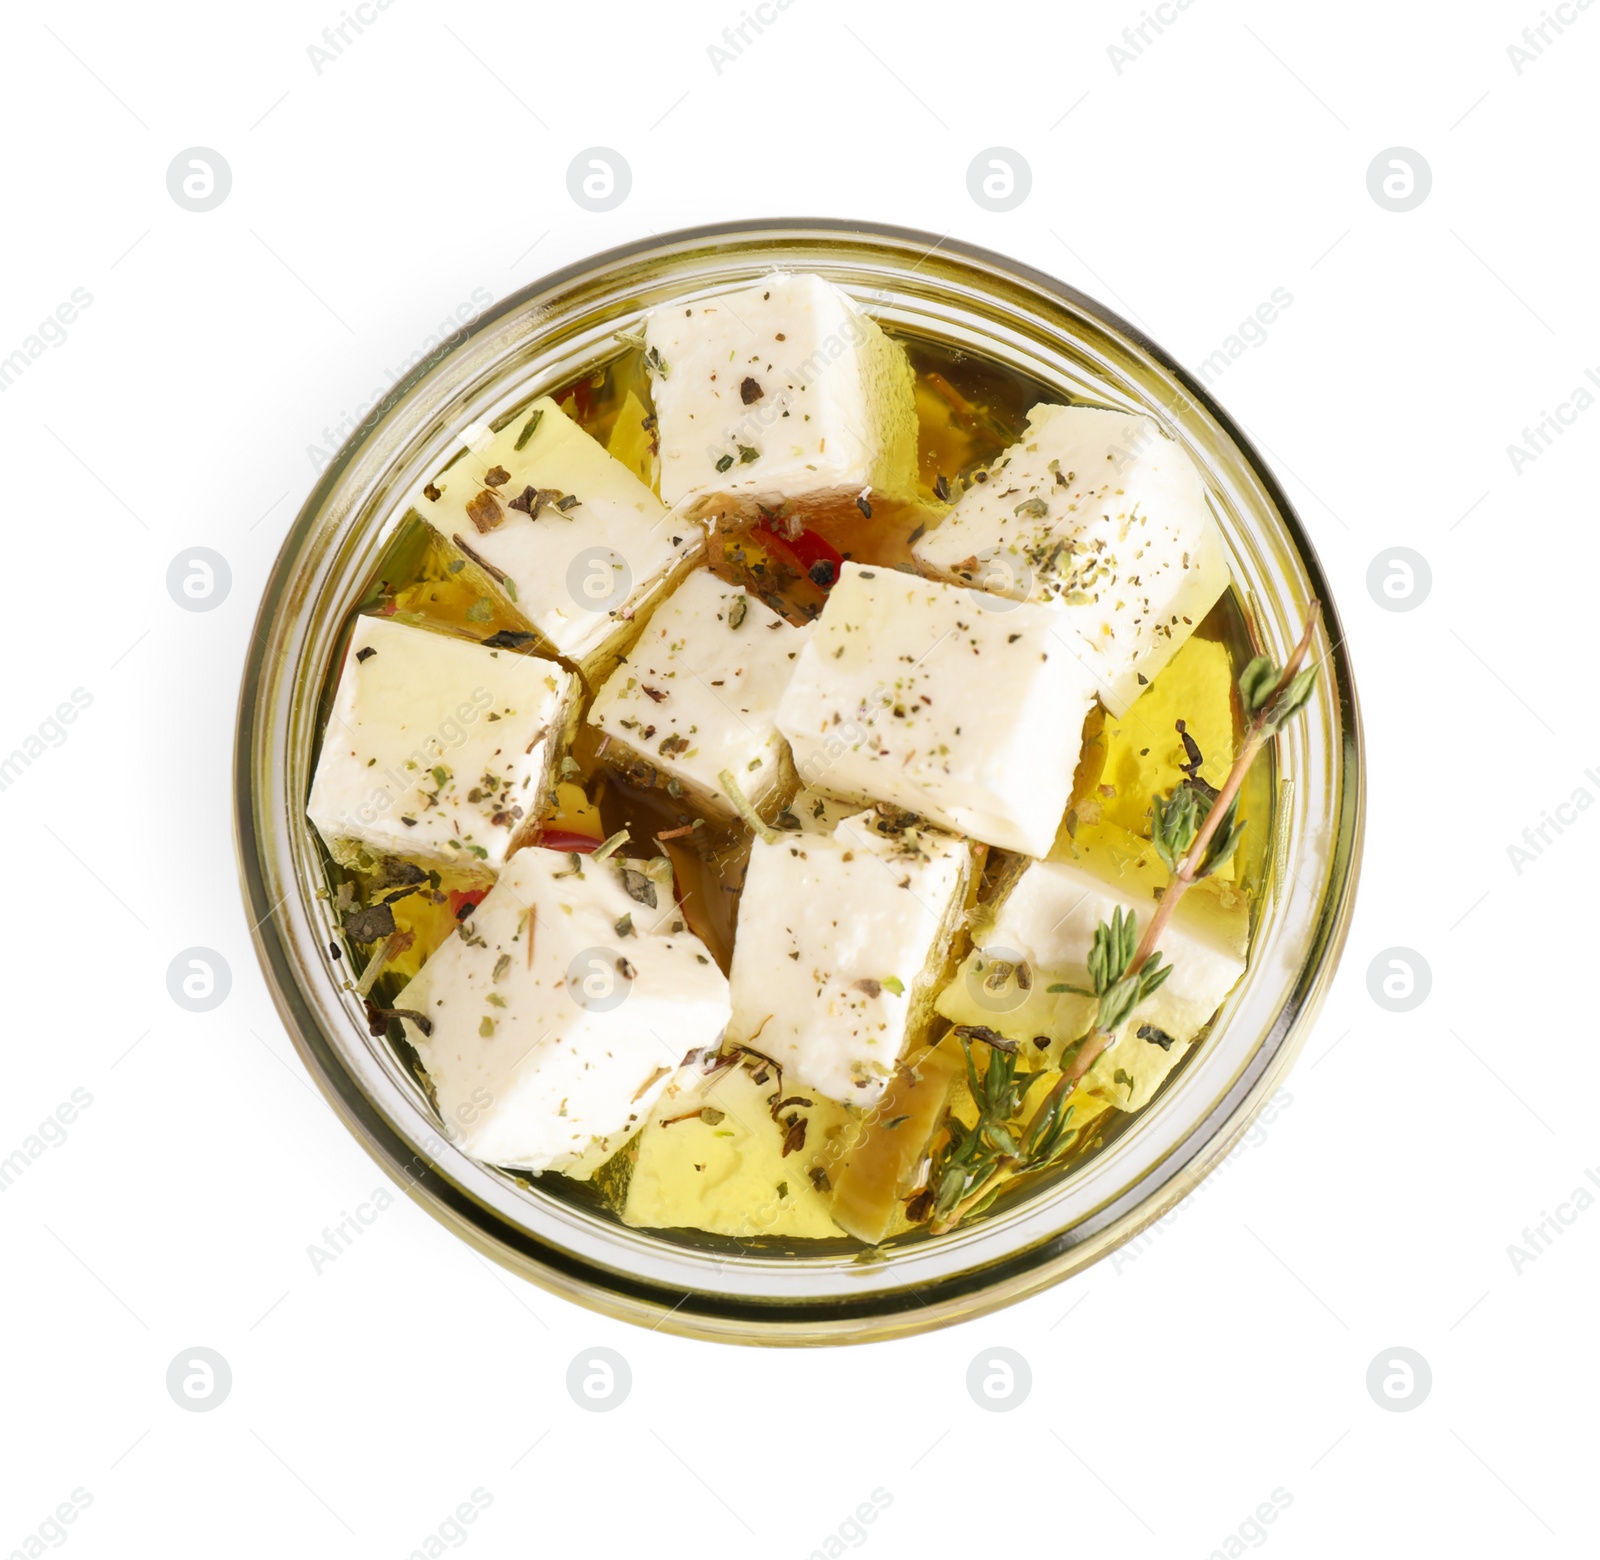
(550, 334)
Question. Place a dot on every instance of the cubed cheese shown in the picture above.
(819, 813)
(569, 534)
(966, 710)
(1040, 935)
(714, 1157)
(553, 1020)
(436, 748)
(780, 392)
(698, 692)
(842, 940)
(1099, 513)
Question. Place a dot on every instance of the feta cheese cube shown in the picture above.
(437, 749)
(842, 940)
(819, 813)
(965, 709)
(1040, 936)
(570, 536)
(713, 1157)
(1097, 512)
(780, 392)
(698, 692)
(553, 1020)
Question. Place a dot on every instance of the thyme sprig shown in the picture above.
(973, 1157)
(1195, 831)
(1119, 987)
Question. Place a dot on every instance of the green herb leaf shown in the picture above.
(529, 428)
(1256, 682)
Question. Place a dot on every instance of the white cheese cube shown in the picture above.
(963, 708)
(1099, 513)
(780, 392)
(553, 1019)
(437, 749)
(698, 692)
(1045, 926)
(1050, 917)
(842, 940)
(819, 813)
(577, 572)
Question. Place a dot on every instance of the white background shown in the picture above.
(1172, 1393)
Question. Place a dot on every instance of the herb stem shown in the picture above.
(742, 806)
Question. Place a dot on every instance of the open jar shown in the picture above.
(1305, 806)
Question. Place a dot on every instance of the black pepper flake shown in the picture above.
(364, 652)
(431, 492)
(822, 572)
(507, 639)
(863, 505)
(941, 488)
(1156, 1036)
(370, 925)
(750, 392)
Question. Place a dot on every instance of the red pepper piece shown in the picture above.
(803, 554)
